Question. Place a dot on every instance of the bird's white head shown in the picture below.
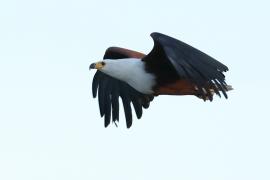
(108, 66)
(116, 68)
(129, 70)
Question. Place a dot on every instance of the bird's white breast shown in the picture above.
(131, 71)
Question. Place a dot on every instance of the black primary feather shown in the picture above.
(171, 59)
(110, 89)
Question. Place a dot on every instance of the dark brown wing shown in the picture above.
(120, 53)
(172, 60)
(110, 89)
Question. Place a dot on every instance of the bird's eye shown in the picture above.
(102, 63)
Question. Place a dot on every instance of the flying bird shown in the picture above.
(171, 68)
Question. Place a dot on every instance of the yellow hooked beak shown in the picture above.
(98, 65)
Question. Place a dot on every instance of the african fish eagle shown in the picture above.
(171, 68)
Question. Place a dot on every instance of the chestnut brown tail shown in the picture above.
(185, 87)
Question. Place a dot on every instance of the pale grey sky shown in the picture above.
(50, 127)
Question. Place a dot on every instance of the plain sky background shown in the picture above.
(50, 127)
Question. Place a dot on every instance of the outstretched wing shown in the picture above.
(110, 89)
(188, 63)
